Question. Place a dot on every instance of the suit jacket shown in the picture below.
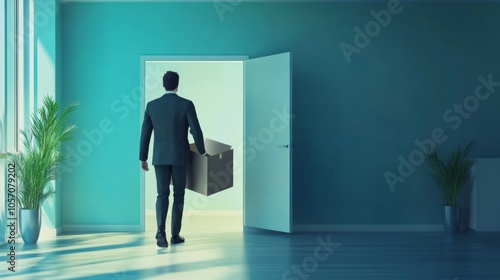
(170, 116)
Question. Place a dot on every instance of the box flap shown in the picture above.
(213, 147)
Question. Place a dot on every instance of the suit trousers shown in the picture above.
(178, 174)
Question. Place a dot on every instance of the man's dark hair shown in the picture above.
(170, 80)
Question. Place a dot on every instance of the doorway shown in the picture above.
(216, 89)
(256, 112)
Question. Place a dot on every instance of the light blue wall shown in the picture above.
(352, 120)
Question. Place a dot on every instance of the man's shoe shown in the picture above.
(176, 239)
(161, 239)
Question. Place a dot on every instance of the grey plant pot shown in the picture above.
(30, 223)
(451, 219)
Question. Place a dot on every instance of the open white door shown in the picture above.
(267, 132)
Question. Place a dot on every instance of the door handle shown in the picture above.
(282, 146)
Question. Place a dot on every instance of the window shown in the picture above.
(3, 121)
(12, 28)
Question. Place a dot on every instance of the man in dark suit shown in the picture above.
(170, 116)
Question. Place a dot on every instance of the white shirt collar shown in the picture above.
(169, 92)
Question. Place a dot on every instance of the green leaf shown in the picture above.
(37, 165)
(450, 176)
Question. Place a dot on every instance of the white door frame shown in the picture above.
(176, 58)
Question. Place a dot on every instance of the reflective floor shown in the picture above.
(217, 248)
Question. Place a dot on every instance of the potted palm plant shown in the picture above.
(38, 164)
(450, 177)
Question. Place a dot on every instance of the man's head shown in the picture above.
(171, 80)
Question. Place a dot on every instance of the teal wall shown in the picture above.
(353, 120)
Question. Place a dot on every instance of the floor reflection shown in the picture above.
(217, 248)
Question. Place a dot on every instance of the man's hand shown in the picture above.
(144, 165)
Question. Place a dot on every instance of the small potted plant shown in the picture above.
(38, 164)
(450, 177)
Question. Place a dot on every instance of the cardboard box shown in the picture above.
(210, 174)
